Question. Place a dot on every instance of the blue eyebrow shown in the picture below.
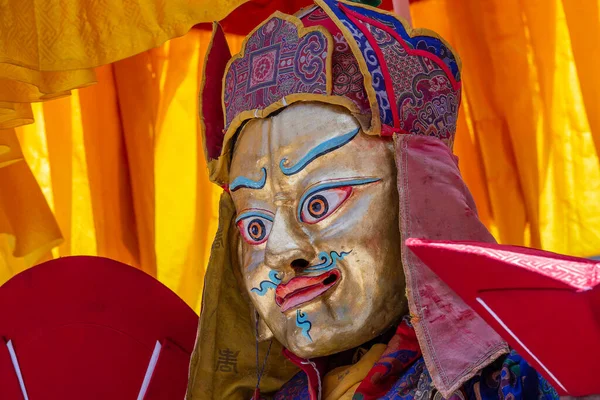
(242, 182)
(326, 147)
(252, 213)
(332, 185)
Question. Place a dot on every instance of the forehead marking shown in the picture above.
(242, 182)
(326, 147)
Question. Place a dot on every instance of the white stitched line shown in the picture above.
(15, 363)
(284, 101)
(507, 329)
(318, 376)
(303, 13)
(149, 371)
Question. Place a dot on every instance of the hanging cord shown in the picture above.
(260, 371)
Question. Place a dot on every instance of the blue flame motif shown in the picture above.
(303, 323)
(326, 147)
(264, 286)
(242, 182)
(328, 261)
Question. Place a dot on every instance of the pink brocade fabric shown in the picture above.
(436, 204)
(348, 80)
(277, 62)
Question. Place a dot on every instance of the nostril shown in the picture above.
(330, 279)
(300, 263)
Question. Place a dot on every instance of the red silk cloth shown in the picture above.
(546, 305)
(86, 328)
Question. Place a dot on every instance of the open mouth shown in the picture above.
(302, 289)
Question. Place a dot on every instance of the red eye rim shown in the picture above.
(245, 220)
(347, 190)
(248, 239)
(258, 223)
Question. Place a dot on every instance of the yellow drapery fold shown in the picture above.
(117, 169)
(529, 128)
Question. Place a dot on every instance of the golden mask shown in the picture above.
(316, 204)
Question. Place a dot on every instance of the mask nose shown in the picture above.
(288, 247)
(299, 264)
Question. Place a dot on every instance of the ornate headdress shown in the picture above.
(392, 78)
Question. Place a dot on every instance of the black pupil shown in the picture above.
(256, 229)
(318, 206)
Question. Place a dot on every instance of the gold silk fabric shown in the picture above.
(341, 383)
(48, 48)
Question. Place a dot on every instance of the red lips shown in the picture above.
(302, 289)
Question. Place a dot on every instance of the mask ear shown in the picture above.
(263, 332)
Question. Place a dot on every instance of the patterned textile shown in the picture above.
(295, 389)
(339, 53)
(368, 53)
(401, 352)
(313, 370)
(415, 78)
(277, 61)
(509, 378)
(348, 80)
(431, 44)
(568, 272)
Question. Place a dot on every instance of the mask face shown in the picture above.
(317, 210)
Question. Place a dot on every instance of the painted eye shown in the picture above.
(322, 204)
(255, 227)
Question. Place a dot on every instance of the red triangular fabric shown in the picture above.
(211, 92)
(546, 305)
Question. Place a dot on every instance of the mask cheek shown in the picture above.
(251, 257)
(251, 263)
(261, 283)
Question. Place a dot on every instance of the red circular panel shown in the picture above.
(86, 327)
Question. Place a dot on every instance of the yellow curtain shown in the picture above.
(93, 173)
(117, 169)
(529, 129)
